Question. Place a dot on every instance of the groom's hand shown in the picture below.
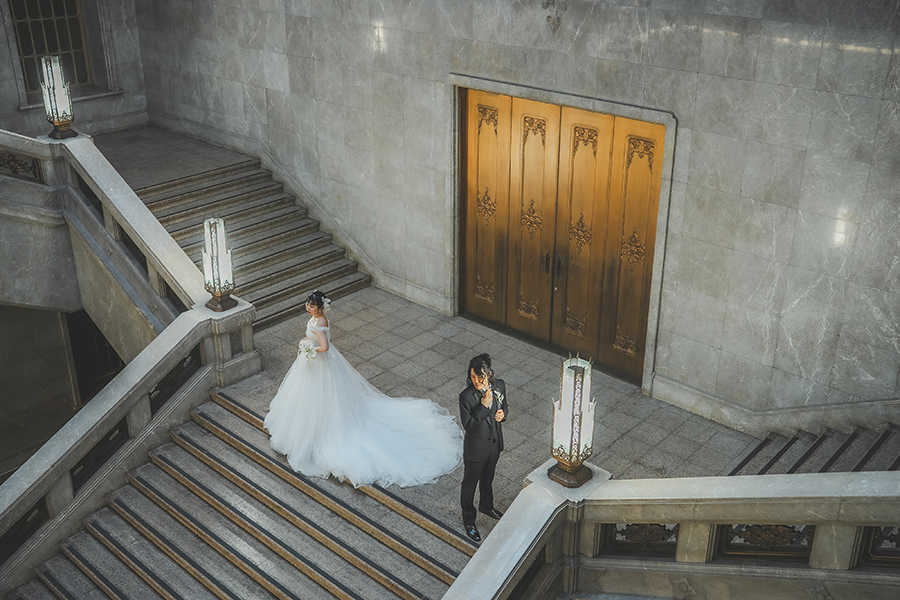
(487, 397)
(498, 416)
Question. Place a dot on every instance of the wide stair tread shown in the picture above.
(789, 453)
(109, 573)
(428, 550)
(240, 217)
(887, 456)
(33, 590)
(215, 550)
(190, 189)
(283, 273)
(234, 203)
(289, 302)
(291, 287)
(65, 580)
(290, 248)
(450, 535)
(255, 233)
(272, 511)
(761, 455)
(136, 540)
(160, 189)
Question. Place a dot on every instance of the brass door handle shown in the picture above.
(547, 263)
(558, 266)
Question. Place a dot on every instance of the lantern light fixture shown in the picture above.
(573, 425)
(218, 273)
(57, 100)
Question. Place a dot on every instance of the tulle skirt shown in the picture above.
(327, 419)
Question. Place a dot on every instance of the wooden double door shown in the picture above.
(558, 225)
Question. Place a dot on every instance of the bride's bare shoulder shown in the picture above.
(322, 321)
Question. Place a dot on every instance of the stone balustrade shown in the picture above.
(188, 349)
(559, 529)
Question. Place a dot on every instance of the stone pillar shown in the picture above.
(835, 547)
(139, 416)
(695, 542)
(60, 495)
(571, 545)
(156, 280)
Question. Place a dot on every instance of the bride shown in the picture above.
(328, 419)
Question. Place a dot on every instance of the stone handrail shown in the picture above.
(546, 514)
(46, 479)
(16, 143)
(164, 255)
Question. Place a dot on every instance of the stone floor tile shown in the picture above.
(634, 435)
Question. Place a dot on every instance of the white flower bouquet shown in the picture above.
(306, 350)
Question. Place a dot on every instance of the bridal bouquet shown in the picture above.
(306, 350)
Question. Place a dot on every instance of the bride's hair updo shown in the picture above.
(319, 300)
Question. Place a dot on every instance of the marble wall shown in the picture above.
(780, 285)
(115, 99)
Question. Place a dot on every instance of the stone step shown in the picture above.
(297, 575)
(249, 164)
(292, 288)
(274, 274)
(187, 190)
(237, 216)
(854, 451)
(106, 571)
(789, 454)
(761, 455)
(166, 576)
(440, 530)
(242, 231)
(291, 249)
(407, 538)
(223, 205)
(887, 455)
(832, 451)
(33, 590)
(275, 313)
(65, 580)
(271, 510)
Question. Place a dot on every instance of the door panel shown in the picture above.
(634, 199)
(532, 213)
(585, 141)
(484, 254)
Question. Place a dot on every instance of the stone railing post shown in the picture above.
(571, 545)
(695, 542)
(835, 546)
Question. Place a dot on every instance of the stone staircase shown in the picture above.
(280, 255)
(833, 451)
(217, 514)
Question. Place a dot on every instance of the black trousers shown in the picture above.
(479, 472)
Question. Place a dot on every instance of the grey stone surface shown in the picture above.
(790, 104)
(414, 350)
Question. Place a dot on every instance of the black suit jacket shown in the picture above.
(478, 421)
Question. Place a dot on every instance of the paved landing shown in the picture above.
(407, 350)
(146, 156)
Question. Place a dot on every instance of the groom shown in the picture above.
(482, 409)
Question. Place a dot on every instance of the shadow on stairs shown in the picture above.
(216, 513)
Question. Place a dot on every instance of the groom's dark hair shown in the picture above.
(482, 365)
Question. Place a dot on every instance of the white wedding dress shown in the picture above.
(328, 419)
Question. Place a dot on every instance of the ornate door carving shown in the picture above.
(485, 221)
(558, 225)
(582, 207)
(634, 193)
(532, 214)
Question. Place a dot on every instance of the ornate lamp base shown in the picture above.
(62, 131)
(570, 479)
(222, 303)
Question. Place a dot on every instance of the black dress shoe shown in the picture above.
(493, 513)
(473, 534)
